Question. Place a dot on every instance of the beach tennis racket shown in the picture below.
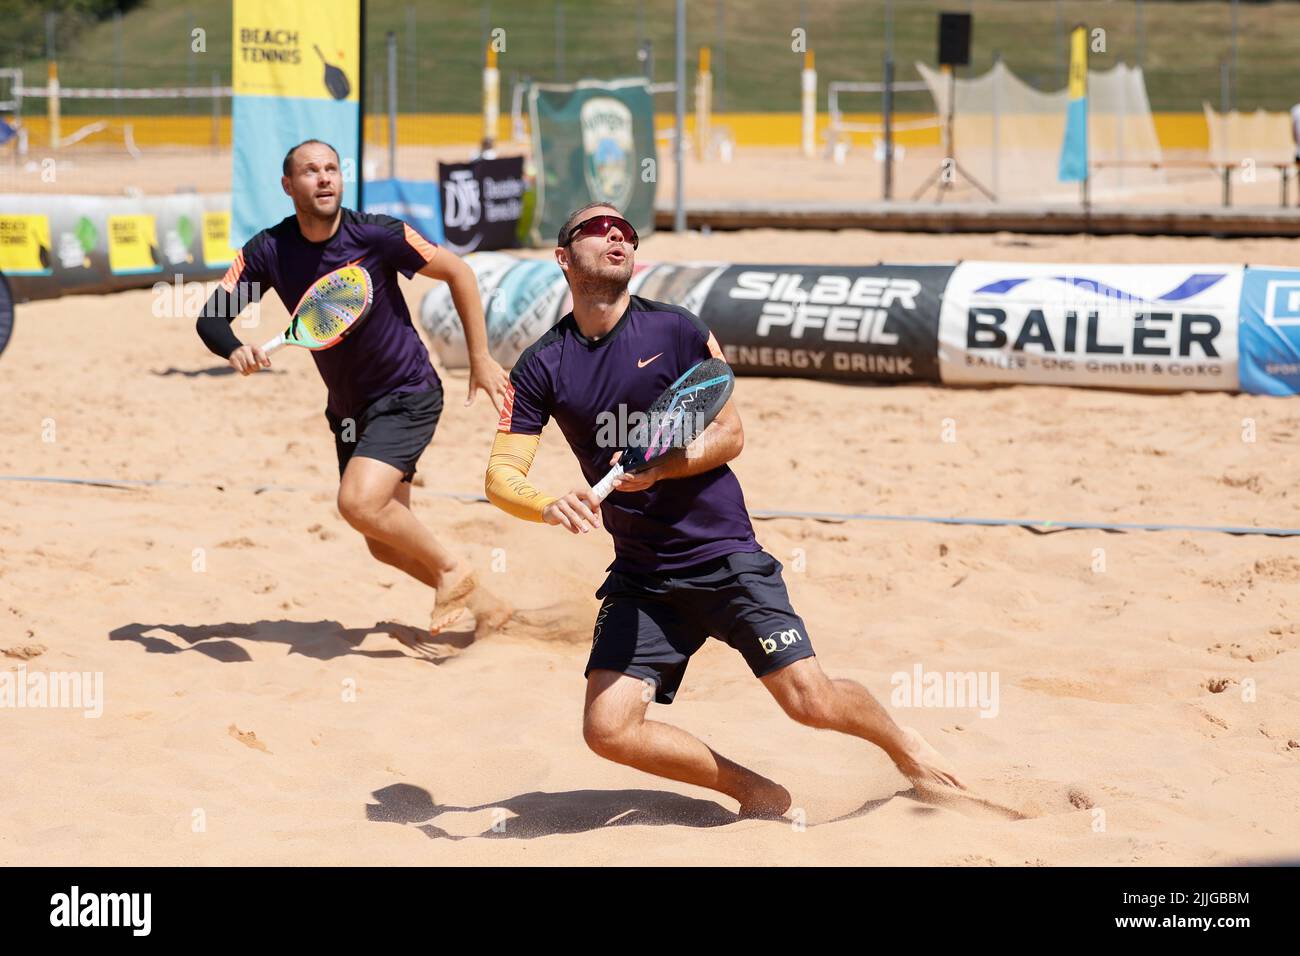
(677, 417)
(327, 311)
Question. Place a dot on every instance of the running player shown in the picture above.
(384, 396)
(686, 563)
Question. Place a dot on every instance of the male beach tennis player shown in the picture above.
(384, 396)
(686, 563)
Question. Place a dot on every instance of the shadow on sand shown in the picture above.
(322, 640)
(539, 813)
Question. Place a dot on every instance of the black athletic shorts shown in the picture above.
(650, 624)
(394, 429)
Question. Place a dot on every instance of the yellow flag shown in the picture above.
(1079, 63)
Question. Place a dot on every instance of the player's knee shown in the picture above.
(607, 737)
(358, 511)
(812, 710)
(809, 702)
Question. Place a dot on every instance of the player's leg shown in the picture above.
(368, 501)
(391, 556)
(615, 727)
(382, 455)
(640, 646)
(746, 603)
(807, 695)
(371, 500)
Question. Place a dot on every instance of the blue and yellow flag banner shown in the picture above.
(297, 76)
(1074, 148)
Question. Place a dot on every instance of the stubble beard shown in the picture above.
(605, 282)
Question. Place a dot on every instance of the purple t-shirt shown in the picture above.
(384, 354)
(677, 522)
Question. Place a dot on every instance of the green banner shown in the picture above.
(593, 141)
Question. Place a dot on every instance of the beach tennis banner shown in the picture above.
(1120, 326)
(296, 76)
(593, 141)
(412, 200)
(870, 323)
(1270, 331)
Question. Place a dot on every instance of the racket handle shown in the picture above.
(274, 344)
(602, 488)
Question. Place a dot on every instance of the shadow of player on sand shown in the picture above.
(322, 640)
(539, 813)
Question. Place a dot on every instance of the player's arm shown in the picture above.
(508, 488)
(524, 414)
(484, 372)
(240, 286)
(718, 444)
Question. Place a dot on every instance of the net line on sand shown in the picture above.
(1036, 525)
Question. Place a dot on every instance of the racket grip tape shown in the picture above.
(273, 345)
(602, 488)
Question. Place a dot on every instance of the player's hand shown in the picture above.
(579, 511)
(638, 482)
(487, 374)
(247, 359)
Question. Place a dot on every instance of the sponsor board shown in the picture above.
(873, 323)
(482, 202)
(133, 245)
(1118, 326)
(25, 245)
(1269, 336)
(217, 252)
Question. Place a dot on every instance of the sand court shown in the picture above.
(269, 694)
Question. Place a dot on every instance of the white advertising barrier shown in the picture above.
(522, 298)
(1120, 326)
(438, 312)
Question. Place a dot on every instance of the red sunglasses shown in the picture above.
(600, 226)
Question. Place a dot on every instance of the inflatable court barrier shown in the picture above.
(1149, 327)
(871, 323)
(55, 245)
(1153, 327)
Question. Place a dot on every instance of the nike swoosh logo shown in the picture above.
(642, 363)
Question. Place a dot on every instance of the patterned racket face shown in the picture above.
(330, 308)
(6, 312)
(685, 409)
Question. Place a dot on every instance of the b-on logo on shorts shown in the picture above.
(778, 640)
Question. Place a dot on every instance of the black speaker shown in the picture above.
(954, 39)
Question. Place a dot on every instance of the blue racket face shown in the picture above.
(685, 409)
(6, 312)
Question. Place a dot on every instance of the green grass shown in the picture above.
(440, 46)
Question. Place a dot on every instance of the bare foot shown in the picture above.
(461, 592)
(452, 598)
(767, 801)
(925, 766)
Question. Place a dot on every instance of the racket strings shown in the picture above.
(333, 305)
